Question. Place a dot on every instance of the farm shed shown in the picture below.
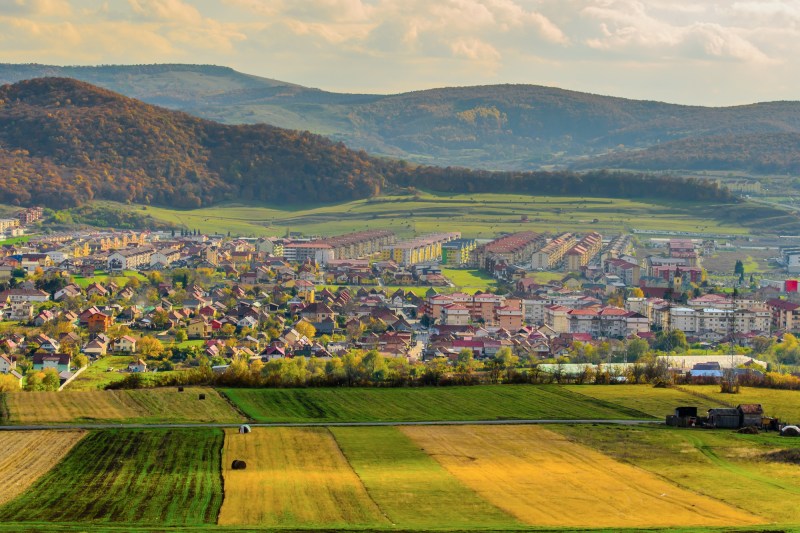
(750, 414)
(723, 417)
(683, 417)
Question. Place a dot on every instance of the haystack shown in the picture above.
(238, 465)
(790, 431)
(244, 428)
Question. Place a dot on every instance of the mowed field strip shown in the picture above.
(524, 469)
(295, 477)
(154, 477)
(27, 455)
(486, 402)
(133, 406)
(657, 402)
(410, 487)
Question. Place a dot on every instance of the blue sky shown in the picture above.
(692, 52)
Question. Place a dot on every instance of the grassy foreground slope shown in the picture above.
(126, 406)
(720, 464)
(507, 467)
(489, 402)
(410, 487)
(154, 477)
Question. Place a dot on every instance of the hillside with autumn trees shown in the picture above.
(64, 143)
(498, 127)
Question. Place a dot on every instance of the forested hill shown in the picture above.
(514, 127)
(64, 142)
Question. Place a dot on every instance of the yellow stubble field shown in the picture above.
(295, 477)
(524, 469)
(27, 455)
(146, 406)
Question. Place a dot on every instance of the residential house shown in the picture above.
(125, 344)
(59, 361)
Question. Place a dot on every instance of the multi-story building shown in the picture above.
(785, 315)
(457, 253)
(551, 254)
(427, 248)
(584, 251)
(514, 249)
(130, 258)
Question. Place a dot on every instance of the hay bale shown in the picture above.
(749, 430)
(180, 389)
(202, 397)
(790, 431)
(238, 465)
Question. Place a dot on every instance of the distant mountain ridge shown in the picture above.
(517, 127)
(65, 142)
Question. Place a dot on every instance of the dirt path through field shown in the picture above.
(545, 480)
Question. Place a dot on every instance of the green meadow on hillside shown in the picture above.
(475, 215)
(488, 402)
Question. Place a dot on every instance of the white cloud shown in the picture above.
(726, 50)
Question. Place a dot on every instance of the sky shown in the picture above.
(682, 51)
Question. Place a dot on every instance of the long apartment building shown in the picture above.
(420, 250)
(130, 258)
(584, 251)
(514, 249)
(551, 254)
(349, 246)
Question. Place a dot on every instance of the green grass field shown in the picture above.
(488, 402)
(96, 376)
(645, 398)
(156, 477)
(15, 240)
(475, 215)
(103, 278)
(410, 487)
(783, 404)
(469, 279)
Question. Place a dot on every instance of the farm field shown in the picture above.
(27, 455)
(410, 487)
(475, 215)
(646, 398)
(131, 406)
(507, 467)
(295, 477)
(717, 463)
(96, 376)
(155, 477)
(489, 402)
(783, 404)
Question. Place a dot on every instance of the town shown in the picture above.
(562, 303)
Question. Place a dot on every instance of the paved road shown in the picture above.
(330, 424)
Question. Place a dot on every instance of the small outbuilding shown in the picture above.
(724, 417)
(750, 414)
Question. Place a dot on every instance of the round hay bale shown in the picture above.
(180, 389)
(749, 430)
(790, 431)
(238, 465)
(202, 397)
